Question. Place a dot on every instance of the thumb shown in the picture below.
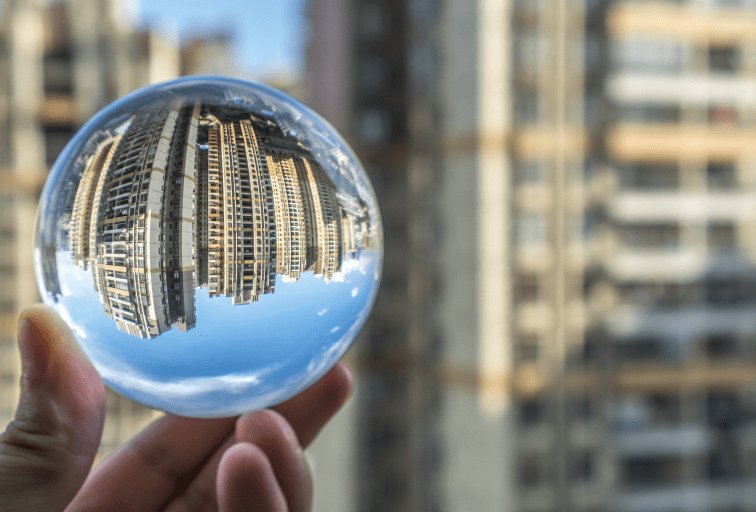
(47, 451)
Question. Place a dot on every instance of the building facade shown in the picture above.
(568, 210)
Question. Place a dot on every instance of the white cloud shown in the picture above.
(335, 329)
(75, 327)
(186, 395)
(361, 265)
(355, 291)
(322, 312)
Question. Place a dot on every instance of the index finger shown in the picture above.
(312, 408)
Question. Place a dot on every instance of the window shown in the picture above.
(372, 74)
(668, 114)
(56, 138)
(724, 59)
(721, 345)
(650, 471)
(640, 349)
(650, 236)
(58, 73)
(581, 466)
(374, 126)
(528, 172)
(649, 177)
(723, 114)
(529, 229)
(373, 21)
(527, 288)
(528, 107)
(720, 175)
(526, 349)
(721, 237)
(531, 470)
(645, 54)
(723, 292)
(532, 412)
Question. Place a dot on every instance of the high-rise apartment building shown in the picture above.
(679, 151)
(567, 191)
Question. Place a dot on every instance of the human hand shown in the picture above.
(251, 463)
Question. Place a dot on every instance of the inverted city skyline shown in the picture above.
(188, 195)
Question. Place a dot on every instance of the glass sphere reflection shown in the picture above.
(213, 244)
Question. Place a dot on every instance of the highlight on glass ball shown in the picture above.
(213, 244)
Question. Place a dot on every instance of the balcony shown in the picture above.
(695, 497)
(688, 323)
(683, 207)
(660, 265)
(688, 89)
(685, 441)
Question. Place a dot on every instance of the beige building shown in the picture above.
(84, 201)
(133, 220)
(271, 209)
(63, 61)
(240, 213)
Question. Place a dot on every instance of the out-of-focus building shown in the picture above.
(566, 320)
(681, 162)
(357, 78)
(62, 61)
(208, 54)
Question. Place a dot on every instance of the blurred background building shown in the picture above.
(567, 317)
(566, 320)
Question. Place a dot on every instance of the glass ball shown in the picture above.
(213, 244)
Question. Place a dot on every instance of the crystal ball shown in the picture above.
(214, 245)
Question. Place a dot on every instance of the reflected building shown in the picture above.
(133, 220)
(239, 213)
(271, 208)
(178, 230)
(185, 195)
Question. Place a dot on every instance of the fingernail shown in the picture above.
(33, 354)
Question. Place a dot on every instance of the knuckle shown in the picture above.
(43, 456)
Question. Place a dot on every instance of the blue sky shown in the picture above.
(268, 35)
(237, 358)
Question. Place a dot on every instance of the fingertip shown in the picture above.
(311, 409)
(34, 343)
(46, 340)
(269, 431)
(246, 481)
(343, 382)
(58, 378)
(55, 433)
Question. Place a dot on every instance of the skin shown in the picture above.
(252, 463)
